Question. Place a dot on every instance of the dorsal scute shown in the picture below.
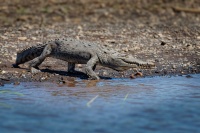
(34, 46)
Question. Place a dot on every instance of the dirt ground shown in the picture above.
(165, 32)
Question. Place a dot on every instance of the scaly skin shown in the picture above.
(78, 52)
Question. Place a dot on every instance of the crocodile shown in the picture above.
(76, 51)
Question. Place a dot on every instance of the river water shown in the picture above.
(153, 104)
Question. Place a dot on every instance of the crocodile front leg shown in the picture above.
(71, 67)
(33, 65)
(90, 66)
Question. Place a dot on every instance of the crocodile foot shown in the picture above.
(15, 66)
(93, 78)
(34, 70)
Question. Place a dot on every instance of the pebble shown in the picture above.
(163, 43)
(125, 49)
(173, 66)
(134, 49)
(138, 74)
(23, 76)
(184, 65)
(33, 38)
(4, 37)
(111, 41)
(132, 76)
(3, 72)
(42, 78)
(157, 71)
(4, 78)
(16, 83)
(190, 47)
(188, 76)
(1, 84)
(79, 27)
(61, 83)
(22, 38)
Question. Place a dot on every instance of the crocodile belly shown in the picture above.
(79, 58)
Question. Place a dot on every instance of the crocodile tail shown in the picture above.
(28, 54)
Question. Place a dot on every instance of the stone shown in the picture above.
(22, 38)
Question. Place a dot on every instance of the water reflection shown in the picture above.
(71, 82)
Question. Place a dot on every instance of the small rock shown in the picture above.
(28, 26)
(23, 76)
(184, 65)
(189, 47)
(42, 78)
(125, 49)
(79, 27)
(22, 38)
(1, 84)
(4, 78)
(60, 83)
(173, 47)
(3, 72)
(157, 71)
(182, 72)
(160, 35)
(163, 43)
(33, 38)
(16, 71)
(134, 49)
(173, 67)
(4, 37)
(165, 72)
(16, 83)
(188, 76)
(138, 74)
(111, 41)
(132, 76)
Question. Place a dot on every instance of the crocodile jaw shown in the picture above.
(119, 64)
(124, 67)
(139, 63)
(125, 63)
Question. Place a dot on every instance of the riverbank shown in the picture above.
(170, 38)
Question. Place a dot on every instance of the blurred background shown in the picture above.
(141, 12)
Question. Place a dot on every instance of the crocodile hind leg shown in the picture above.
(33, 65)
(94, 67)
(90, 66)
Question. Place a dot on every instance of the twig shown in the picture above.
(91, 101)
(126, 96)
(190, 10)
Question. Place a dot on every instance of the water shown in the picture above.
(157, 105)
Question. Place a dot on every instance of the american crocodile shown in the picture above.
(78, 52)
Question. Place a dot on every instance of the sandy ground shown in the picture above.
(168, 36)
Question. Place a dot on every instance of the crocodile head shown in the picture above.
(122, 63)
